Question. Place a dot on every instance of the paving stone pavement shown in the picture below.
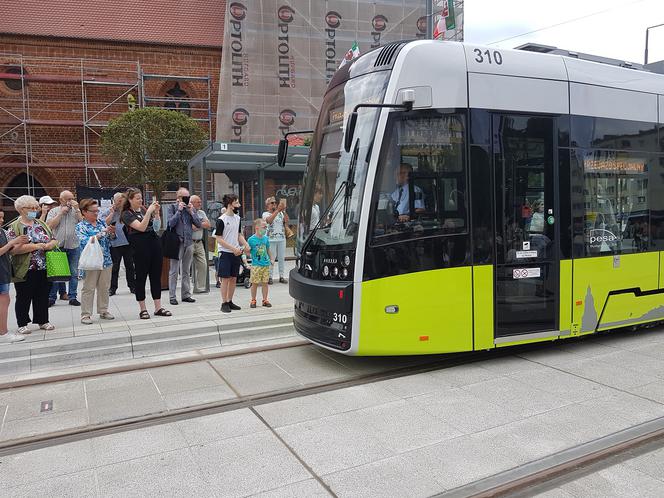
(410, 436)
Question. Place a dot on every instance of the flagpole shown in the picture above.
(429, 19)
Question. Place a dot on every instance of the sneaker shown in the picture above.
(270, 281)
(106, 316)
(74, 302)
(12, 337)
(218, 285)
(267, 304)
(253, 303)
(86, 320)
(283, 280)
(111, 292)
(188, 300)
(64, 297)
(225, 307)
(24, 330)
(48, 326)
(234, 306)
(173, 302)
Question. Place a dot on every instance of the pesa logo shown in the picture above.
(238, 11)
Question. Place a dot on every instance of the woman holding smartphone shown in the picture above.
(276, 218)
(142, 226)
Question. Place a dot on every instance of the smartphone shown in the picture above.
(25, 230)
(113, 223)
(282, 201)
(185, 199)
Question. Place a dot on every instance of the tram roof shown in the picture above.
(238, 157)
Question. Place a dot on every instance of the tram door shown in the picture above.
(526, 279)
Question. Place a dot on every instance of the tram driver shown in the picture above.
(401, 195)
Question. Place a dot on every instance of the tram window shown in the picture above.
(616, 134)
(421, 183)
(616, 210)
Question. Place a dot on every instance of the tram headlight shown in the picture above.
(326, 271)
(335, 271)
(344, 273)
(345, 262)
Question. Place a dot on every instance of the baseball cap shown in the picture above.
(46, 199)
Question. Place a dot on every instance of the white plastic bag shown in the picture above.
(92, 257)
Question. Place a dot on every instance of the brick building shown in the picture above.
(66, 70)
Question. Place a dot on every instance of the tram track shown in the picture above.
(565, 465)
(25, 444)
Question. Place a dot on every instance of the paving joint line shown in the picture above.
(294, 453)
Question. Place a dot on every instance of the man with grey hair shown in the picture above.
(62, 220)
(200, 261)
(120, 249)
(182, 217)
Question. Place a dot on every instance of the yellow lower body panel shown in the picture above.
(435, 313)
(595, 278)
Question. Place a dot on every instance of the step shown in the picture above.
(84, 356)
(248, 321)
(253, 334)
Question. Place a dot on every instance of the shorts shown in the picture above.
(229, 265)
(259, 274)
(4, 289)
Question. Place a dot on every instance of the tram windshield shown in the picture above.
(330, 165)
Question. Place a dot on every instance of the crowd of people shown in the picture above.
(126, 232)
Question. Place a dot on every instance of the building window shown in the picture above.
(12, 84)
(177, 100)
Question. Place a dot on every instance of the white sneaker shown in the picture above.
(12, 337)
(24, 330)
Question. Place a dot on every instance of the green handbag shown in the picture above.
(57, 266)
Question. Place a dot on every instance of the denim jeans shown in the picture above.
(72, 257)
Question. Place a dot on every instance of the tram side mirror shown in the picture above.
(350, 131)
(282, 153)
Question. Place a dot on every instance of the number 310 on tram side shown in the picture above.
(462, 198)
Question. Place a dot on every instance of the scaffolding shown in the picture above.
(53, 110)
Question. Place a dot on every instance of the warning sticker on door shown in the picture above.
(525, 273)
(526, 254)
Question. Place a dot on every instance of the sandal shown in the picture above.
(162, 312)
(144, 315)
(47, 326)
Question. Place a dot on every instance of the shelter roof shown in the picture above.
(164, 22)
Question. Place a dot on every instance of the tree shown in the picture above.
(152, 146)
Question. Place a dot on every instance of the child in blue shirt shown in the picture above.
(259, 244)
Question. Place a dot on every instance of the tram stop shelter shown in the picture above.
(251, 171)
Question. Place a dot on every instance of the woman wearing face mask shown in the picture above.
(231, 246)
(29, 265)
(142, 225)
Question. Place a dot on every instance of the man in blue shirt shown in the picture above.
(401, 195)
(181, 217)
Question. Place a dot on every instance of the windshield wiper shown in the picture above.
(322, 217)
(350, 185)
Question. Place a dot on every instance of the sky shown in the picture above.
(609, 28)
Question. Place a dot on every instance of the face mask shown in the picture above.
(156, 225)
(32, 215)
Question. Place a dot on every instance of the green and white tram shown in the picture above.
(462, 198)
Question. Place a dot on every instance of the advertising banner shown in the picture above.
(279, 55)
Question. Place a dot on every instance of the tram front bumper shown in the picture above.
(323, 310)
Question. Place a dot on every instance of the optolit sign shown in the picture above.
(279, 57)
